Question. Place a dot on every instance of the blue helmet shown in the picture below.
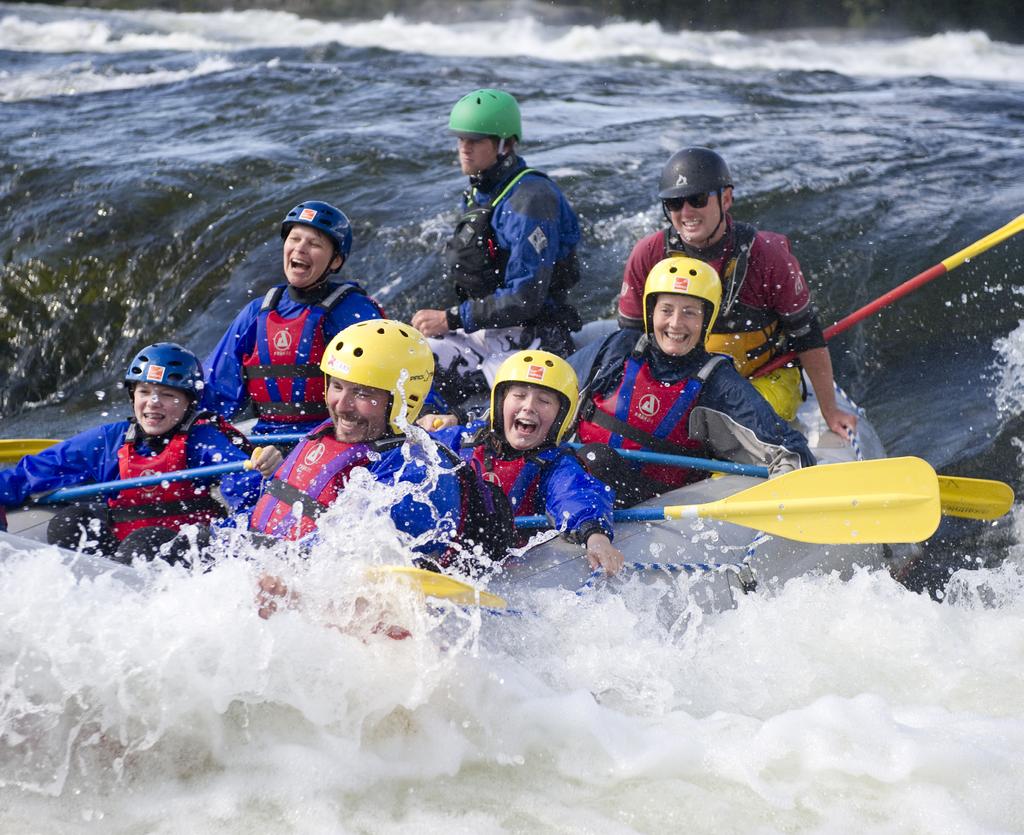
(325, 217)
(166, 364)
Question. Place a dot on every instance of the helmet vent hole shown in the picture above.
(380, 330)
(693, 272)
(673, 269)
(549, 363)
(528, 359)
(403, 333)
(357, 352)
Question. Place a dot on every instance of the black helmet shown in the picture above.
(693, 171)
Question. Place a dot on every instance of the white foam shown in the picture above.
(827, 706)
(1009, 390)
(951, 54)
(80, 78)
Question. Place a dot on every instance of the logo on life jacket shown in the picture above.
(535, 372)
(307, 214)
(681, 282)
(155, 373)
(314, 455)
(151, 487)
(649, 405)
(492, 477)
(283, 340)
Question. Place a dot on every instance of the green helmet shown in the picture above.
(486, 113)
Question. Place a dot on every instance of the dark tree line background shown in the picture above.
(1002, 20)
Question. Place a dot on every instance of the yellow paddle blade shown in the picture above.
(432, 584)
(974, 498)
(12, 450)
(1001, 234)
(886, 500)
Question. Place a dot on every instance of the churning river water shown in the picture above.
(147, 159)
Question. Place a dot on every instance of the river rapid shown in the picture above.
(148, 158)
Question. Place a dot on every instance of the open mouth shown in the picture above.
(350, 423)
(525, 426)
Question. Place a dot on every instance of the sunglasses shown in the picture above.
(698, 201)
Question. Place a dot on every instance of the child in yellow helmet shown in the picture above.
(533, 405)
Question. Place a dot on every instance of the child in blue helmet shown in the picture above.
(167, 433)
(269, 357)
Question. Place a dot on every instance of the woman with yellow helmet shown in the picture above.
(664, 392)
(533, 406)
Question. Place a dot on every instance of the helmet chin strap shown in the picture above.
(721, 218)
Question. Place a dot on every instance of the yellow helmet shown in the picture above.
(387, 355)
(683, 277)
(543, 369)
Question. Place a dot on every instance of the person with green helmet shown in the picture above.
(512, 256)
(766, 304)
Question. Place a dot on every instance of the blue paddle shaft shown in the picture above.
(633, 514)
(685, 461)
(66, 494)
(637, 514)
(643, 456)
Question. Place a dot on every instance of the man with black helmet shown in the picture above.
(270, 354)
(512, 257)
(766, 303)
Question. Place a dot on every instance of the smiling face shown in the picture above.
(701, 228)
(677, 322)
(158, 409)
(476, 155)
(360, 413)
(308, 255)
(528, 413)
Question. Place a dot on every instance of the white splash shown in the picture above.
(827, 706)
(1009, 390)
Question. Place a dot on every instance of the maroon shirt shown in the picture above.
(774, 280)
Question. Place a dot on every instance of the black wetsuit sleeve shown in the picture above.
(803, 330)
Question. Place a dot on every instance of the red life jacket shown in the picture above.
(282, 374)
(517, 477)
(645, 413)
(166, 505)
(312, 476)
